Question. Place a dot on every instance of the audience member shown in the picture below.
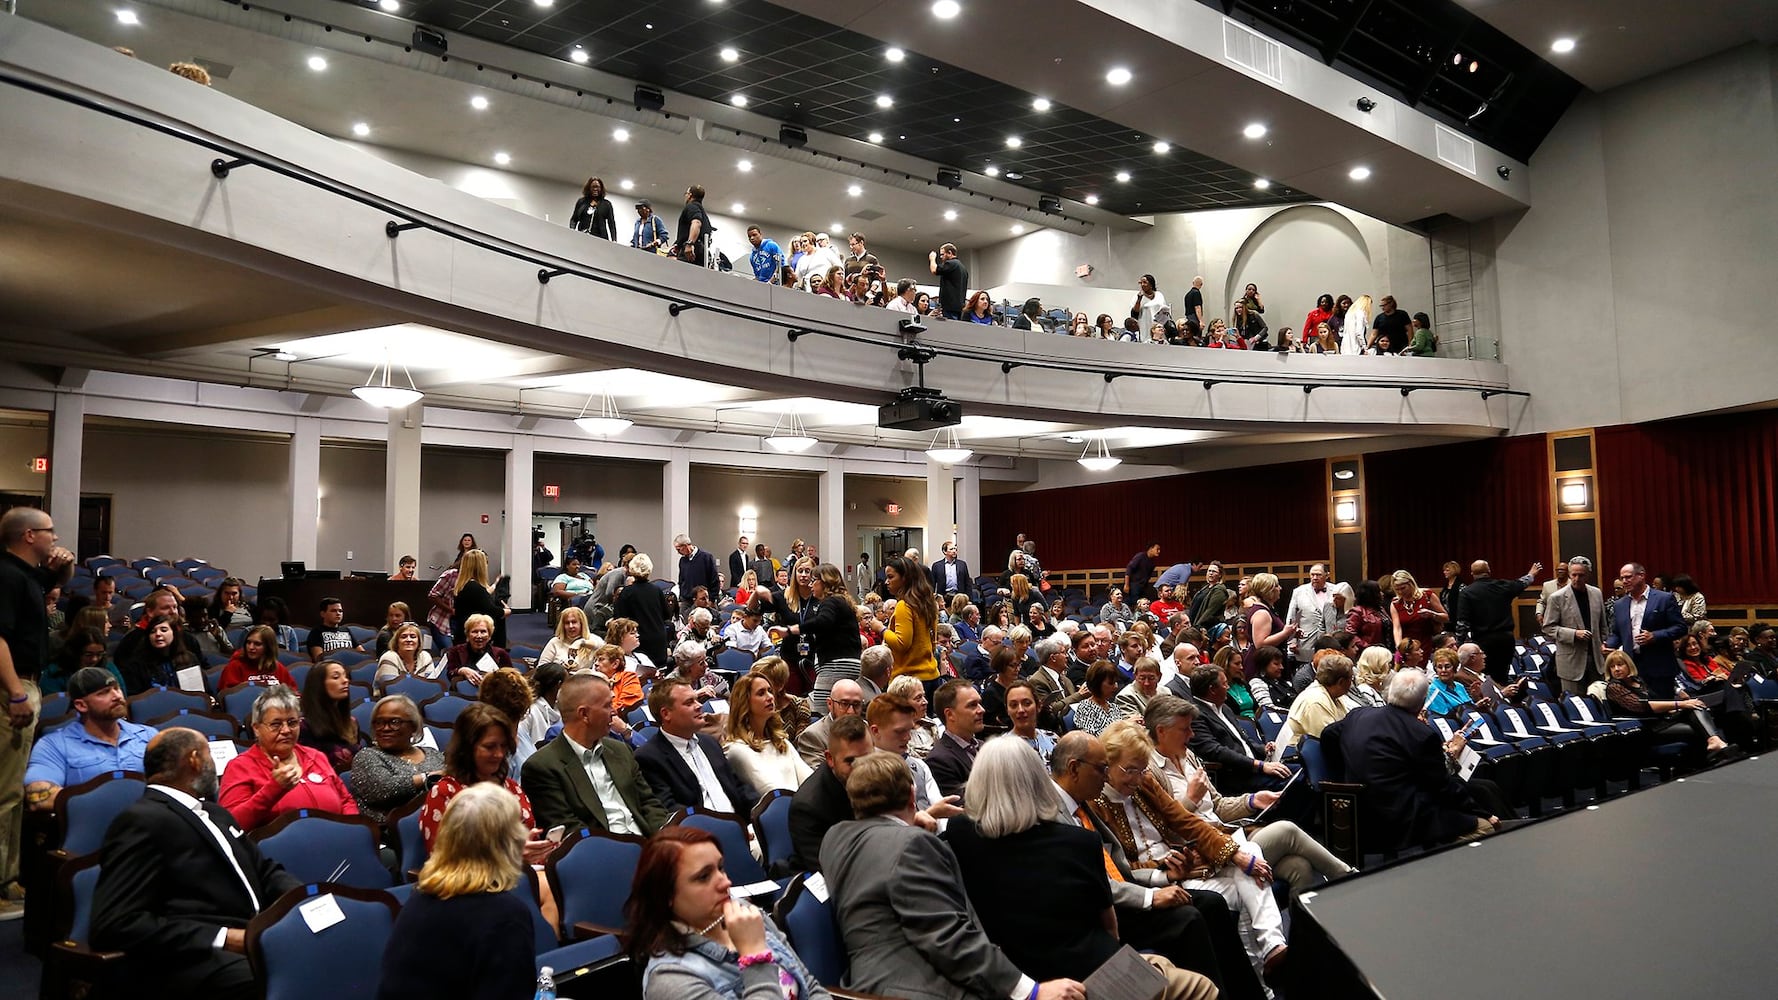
(755, 742)
(1323, 701)
(691, 241)
(792, 710)
(392, 771)
(846, 698)
(626, 635)
(327, 722)
(586, 777)
(478, 654)
(480, 751)
(686, 767)
(827, 618)
(166, 897)
(626, 686)
(405, 658)
(959, 707)
(820, 801)
(158, 658)
(256, 662)
(330, 636)
(1021, 709)
(1133, 699)
(1631, 696)
(475, 598)
(1217, 737)
(83, 646)
(277, 774)
(1486, 607)
(1646, 622)
(463, 918)
(1270, 687)
(101, 739)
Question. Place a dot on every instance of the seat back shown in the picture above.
(730, 832)
(1314, 761)
(82, 878)
(809, 923)
(590, 876)
(323, 847)
(158, 701)
(418, 688)
(238, 700)
(54, 708)
(734, 659)
(85, 811)
(341, 961)
(214, 725)
(404, 833)
(444, 709)
(771, 824)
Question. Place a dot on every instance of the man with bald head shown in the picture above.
(1487, 605)
(1186, 659)
(846, 698)
(178, 880)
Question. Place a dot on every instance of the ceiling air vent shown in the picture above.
(1457, 150)
(1252, 51)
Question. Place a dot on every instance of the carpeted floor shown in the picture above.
(19, 972)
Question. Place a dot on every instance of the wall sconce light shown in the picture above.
(749, 521)
(1346, 512)
(1575, 495)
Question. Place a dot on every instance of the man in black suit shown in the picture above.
(178, 880)
(821, 802)
(737, 562)
(686, 767)
(697, 568)
(959, 708)
(950, 575)
(1217, 737)
(1400, 761)
(586, 777)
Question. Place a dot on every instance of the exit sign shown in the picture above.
(40, 463)
(552, 491)
(892, 509)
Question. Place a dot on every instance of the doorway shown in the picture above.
(567, 532)
(883, 541)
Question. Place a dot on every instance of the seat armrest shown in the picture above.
(841, 993)
(584, 930)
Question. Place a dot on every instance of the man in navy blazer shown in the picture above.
(1646, 624)
(685, 767)
(950, 575)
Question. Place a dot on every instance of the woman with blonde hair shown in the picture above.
(1355, 329)
(792, 710)
(463, 907)
(1023, 596)
(1262, 624)
(755, 741)
(1371, 676)
(1415, 613)
(748, 585)
(475, 596)
(405, 658)
(573, 644)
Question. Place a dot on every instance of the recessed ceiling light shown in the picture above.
(502, 158)
(944, 10)
(1123, 177)
(360, 129)
(744, 165)
(894, 54)
(544, 3)
(649, 26)
(885, 101)
(1092, 199)
(1456, 58)
(1254, 131)
(729, 55)
(875, 137)
(1562, 45)
(991, 171)
(1262, 184)
(1014, 142)
(854, 190)
(479, 103)
(127, 17)
(579, 55)
(1041, 104)
(835, 228)
(1118, 76)
(1359, 173)
(737, 208)
(1018, 230)
(1473, 65)
(390, 5)
(620, 134)
(282, 354)
(317, 63)
(950, 215)
(739, 100)
(627, 184)
(1014, 175)
(1163, 148)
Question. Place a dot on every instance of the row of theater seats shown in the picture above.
(191, 577)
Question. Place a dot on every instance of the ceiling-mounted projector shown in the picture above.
(918, 408)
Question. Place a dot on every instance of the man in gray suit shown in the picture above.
(585, 777)
(846, 698)
(1574, 619)
(898, 897)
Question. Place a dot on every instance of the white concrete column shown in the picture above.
(941, 509)
(969, 516)
(517, 557)
(835, 547)
(401, 485)
(305, 489)
(67, 436)
(676, 502)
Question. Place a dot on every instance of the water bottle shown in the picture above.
(546, 984)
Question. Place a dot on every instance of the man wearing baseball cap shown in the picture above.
(100, 740)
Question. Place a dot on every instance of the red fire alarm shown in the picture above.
(552, 491)
(40, 463)
(484, 519)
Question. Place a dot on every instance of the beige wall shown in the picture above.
(458, 486)
(626, 496)
(21, 440)
(352, 491)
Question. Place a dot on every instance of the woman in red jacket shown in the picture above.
(256, 662)
(1323, 311)
(278, 775)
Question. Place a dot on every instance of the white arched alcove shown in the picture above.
(1294, 256)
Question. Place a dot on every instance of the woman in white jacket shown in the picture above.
(1355, 331)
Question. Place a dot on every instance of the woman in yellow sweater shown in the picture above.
(909, 635)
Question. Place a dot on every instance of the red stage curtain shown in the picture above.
(1274, 513)
(1475, 500)
(1694, 496)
